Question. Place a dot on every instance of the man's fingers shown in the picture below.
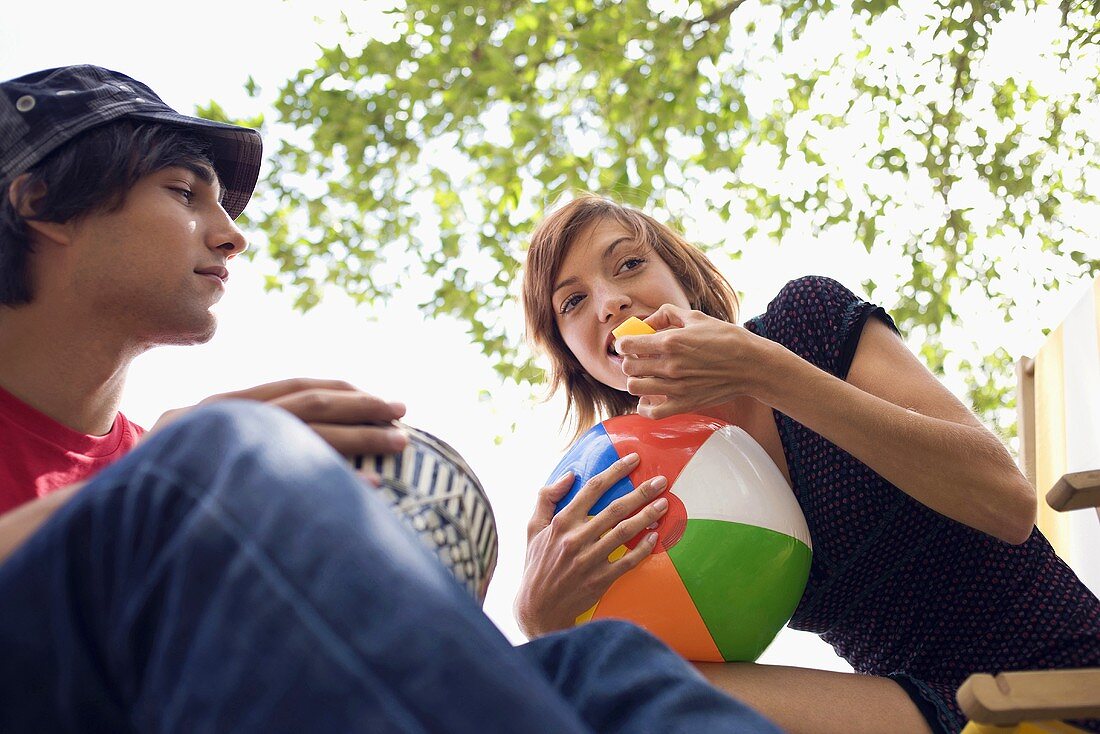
(322, 405)
(357, 440)
(371, 477)
(281, 388)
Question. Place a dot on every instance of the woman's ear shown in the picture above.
(25, 195)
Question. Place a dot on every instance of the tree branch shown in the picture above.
(722, 13)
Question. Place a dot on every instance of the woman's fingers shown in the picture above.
(651, 385)
(626, 507)
(668, 316)
(652, 365)
(593, 489)
(656, 411)
(633, 557)
(566, 569)
(622, 532)
(547, 502)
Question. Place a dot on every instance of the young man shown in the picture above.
(228, 573)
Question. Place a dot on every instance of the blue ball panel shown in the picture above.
(592, 453)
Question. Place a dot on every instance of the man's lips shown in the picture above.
(214, 271)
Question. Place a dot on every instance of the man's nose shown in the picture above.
(227, 237)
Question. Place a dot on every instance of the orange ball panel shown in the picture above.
(654, 597)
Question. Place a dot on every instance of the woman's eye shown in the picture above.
(632, 263)
(570, 303)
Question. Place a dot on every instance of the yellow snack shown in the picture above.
(631, 327)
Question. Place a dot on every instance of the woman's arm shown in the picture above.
(897, 418)
(892, 413)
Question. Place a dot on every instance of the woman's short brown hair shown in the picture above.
(588, 399)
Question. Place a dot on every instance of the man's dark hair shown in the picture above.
(92, 173)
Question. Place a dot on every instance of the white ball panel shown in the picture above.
(732, 478)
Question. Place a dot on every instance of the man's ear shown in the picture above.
(25, 195)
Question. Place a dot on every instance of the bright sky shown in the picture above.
(205, 49)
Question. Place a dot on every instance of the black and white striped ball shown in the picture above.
(435, 492)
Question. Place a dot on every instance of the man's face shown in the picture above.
(154, 267)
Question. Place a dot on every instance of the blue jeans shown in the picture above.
(232, 575)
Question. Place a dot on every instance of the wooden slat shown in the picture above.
(1076, 491)
(1025, 415)
(1009, 698)
(1050, 436)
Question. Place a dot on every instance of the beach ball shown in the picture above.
(733, 550)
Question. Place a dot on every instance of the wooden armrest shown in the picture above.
(1009, 698)
(1076, 491)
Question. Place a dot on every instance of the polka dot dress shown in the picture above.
(896, 588)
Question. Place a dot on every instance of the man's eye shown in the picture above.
(570, 303)
(187, 194)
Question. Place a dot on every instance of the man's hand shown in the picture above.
(349, 420)
(19, 524)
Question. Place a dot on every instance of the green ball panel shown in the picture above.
(745, 581)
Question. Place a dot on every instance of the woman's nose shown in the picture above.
(613, 303)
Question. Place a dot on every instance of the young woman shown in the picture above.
(927, 566)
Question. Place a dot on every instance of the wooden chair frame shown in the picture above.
(1004, 702)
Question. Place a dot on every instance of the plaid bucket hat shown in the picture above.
(41, 111)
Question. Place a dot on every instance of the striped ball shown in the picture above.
(439, 497)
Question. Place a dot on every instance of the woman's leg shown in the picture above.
(621, 679)
(807, 701)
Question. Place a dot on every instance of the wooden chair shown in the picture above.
(1059, 429)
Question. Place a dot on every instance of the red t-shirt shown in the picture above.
(39, 455)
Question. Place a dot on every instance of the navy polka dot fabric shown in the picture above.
(896, 588)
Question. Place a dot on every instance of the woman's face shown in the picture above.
(606, 277)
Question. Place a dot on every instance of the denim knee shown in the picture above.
(598, 644)
(607, 635)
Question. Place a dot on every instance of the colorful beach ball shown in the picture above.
(733, 550)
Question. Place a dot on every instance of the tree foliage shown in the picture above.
(430, 151)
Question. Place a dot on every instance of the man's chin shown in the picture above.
(187, 335)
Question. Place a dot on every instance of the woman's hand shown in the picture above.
(692, 362)
(567, 568)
